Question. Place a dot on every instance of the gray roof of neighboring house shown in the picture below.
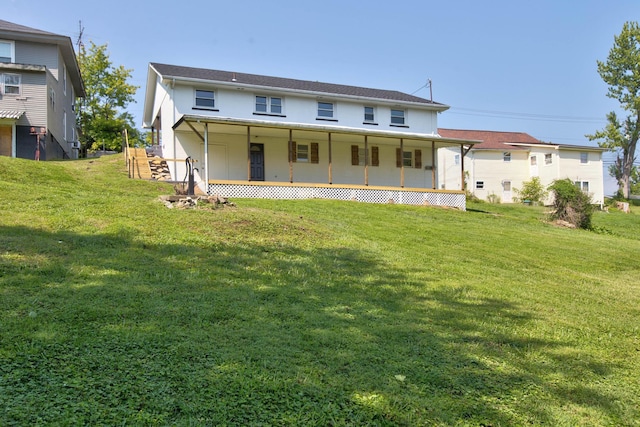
(12, 31)
(230, 77)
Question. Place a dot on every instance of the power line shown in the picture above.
(524, 116)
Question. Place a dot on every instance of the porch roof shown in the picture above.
(188, 122)
(11, 114)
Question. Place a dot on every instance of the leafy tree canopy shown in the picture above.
(102, 117)
(621, 72)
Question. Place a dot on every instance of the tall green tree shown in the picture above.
(102, 116)
(621, 72)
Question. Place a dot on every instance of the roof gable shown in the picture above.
(241, 79)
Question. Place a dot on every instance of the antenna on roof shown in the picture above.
(81, 30)
(428, 83)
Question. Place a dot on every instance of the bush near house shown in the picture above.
(571, 204)
(532, 192)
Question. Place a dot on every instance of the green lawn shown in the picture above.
(115, 310)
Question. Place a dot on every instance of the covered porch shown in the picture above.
(269, 159)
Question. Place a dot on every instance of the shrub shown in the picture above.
(494, 198)
(571, 204)
(533, 191)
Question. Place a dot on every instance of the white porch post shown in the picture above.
(462, 186)
(366, 160)
(206, 158)
(402, 162)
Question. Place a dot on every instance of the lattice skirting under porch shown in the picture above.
(369, 195)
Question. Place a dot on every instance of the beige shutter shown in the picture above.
(355, 161)
(375, 159)
(418, 159)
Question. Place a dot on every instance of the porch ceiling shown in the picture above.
(266, 129)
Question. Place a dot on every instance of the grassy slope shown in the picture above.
(116, 310)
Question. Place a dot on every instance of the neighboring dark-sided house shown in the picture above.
(39, 83)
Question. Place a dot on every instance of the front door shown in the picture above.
(506, 191)
(257, 162)
(6, 143)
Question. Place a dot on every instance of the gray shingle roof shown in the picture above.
(10, 26)
(284, 83)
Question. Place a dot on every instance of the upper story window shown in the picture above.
(548, 159)
(584, 157)
(205, 99)
(7, 53)
(11, 84)
(506, 156)
(64, 79)
(456, 159)
(369, 115)
(268, 104)
(52, 98)
(398, 117)
(326, 110)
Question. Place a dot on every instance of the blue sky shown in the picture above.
(501, 65)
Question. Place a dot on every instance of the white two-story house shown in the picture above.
(39, 82)
(272, 137)
(503, 161)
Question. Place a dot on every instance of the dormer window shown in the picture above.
(205, 99)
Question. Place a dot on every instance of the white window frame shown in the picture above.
(4, 84)
(302, 153)
(64, 125)
(397, 119)
(12, 50)
(582, 185)
(506, 156)
(407, 159)
(363, 156)
(371, 113)
(584, 158)
(201, 92)
(270, 107)
(52, 98)
(548, 159)
(326, 110)
(64, 80)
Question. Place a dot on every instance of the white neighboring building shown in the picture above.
(272, 137)
(505, 160)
